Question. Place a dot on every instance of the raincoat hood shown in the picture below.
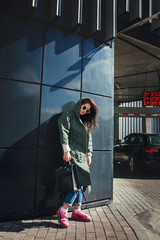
(77, 106)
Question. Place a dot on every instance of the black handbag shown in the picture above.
(67, 178)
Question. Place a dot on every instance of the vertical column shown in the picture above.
(116, 129)
(116, 125)
(147, 124)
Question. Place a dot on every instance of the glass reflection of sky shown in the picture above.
(55, 101)
(62, 62)
(98, 75)
(103, 138)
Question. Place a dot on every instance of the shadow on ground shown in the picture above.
(20, 226)
(150, 220)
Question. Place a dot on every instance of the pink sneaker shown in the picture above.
(81, 216)
(62, 218)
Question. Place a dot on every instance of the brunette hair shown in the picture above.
(90, 120)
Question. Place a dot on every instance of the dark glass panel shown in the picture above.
(17, 181)
(20, 49)
(19, 105)
(98, 69)
(47, 193)
(101, 177)
(103, 138)
(62, 62)
(54, 102)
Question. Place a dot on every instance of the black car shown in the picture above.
(138, 150)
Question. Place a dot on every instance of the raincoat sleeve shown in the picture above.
(64, 128)
(90, 149)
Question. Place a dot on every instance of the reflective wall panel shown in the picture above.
(103, 138)
(19, 104)
(98, 69)
(62, 63)
(20, 49)
(101, 177)
(54, 102)
(47, 194)
(17, 181)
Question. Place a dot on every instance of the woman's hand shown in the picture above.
(89, 160)
(67, 156)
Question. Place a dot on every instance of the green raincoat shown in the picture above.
(73, 133)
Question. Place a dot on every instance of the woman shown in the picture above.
(75, 129)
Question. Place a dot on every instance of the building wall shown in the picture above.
(43, 71)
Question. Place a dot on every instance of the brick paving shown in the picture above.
(140, 195)
(117, 221)
(137, 195)
(107, 224)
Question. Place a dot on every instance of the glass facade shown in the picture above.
(42, 73)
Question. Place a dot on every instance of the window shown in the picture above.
(139, 140)
(132, 140)
(154, 140)
(125, 140)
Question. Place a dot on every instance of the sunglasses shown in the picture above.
(85, 109)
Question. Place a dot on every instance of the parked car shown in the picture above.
(138, 150)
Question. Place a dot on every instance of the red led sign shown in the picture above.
(150, 98)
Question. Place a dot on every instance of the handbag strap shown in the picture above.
(82, 190)
(67, 163)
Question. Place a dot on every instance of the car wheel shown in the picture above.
(131, 165)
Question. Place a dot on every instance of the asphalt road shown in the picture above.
(140, 194)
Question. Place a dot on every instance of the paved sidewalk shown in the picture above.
(135, 199)
(138, 229)
(110, 222)
(140, 195)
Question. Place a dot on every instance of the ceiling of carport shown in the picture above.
(137, 68)
(137, 49)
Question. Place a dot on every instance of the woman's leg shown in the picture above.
(78, 201)
(77, 214)
(70, 198)
(62, 213)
